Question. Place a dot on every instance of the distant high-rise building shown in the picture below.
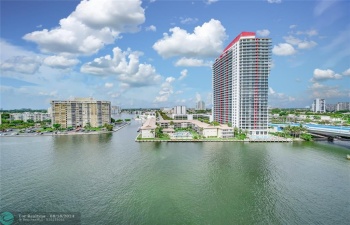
(330, 107)
(343, 106)
(200, 105)
(179, 110)
(319, 105)
(115, 109)
(240, 84)
(81, 112)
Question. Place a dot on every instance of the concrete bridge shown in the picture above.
(329, 131)
(339, 132)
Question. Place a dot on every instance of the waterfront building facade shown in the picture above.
(81, 112)
(240, 84)
(319, 105)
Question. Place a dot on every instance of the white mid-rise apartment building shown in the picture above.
(179, 110)
(35, 116)
(240, 84)
(319, 105)
(342, 106)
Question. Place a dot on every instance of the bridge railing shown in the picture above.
(329, 130)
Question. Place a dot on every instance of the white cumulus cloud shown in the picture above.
(151, 28)
(109, 85)
(193, 62)
(301, 44)
(90, 27)
(263, 33)
(125, 66)
(60, 62)
(205, 41)
(165, 91)
(9, 51)
(208, 2)
(183, 74)
(21, 64)
(311, 32)
(324, 91)
(198, 97)
(188, 20)
(283, 49)
(307, 44)
(346, 72)
(274, 1)
(279, 99)
(322, 75)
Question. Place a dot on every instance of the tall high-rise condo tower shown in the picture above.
(240, 84)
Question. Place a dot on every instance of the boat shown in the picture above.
(348, 157)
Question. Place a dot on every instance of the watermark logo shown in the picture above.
(6, 218)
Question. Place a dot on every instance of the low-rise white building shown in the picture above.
(192, 117)
(16, 116)
(204, 129)
(148, 128)
(35, 116)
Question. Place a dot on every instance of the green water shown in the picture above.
(111, 179)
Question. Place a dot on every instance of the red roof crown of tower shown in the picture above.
(243, 34)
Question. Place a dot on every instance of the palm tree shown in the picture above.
(235, 131)
(287, 130)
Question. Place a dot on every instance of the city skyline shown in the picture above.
(159, 53)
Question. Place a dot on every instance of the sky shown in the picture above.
(159, 53)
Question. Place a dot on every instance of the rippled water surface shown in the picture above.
(111, 179)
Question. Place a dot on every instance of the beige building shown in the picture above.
(81, 112)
